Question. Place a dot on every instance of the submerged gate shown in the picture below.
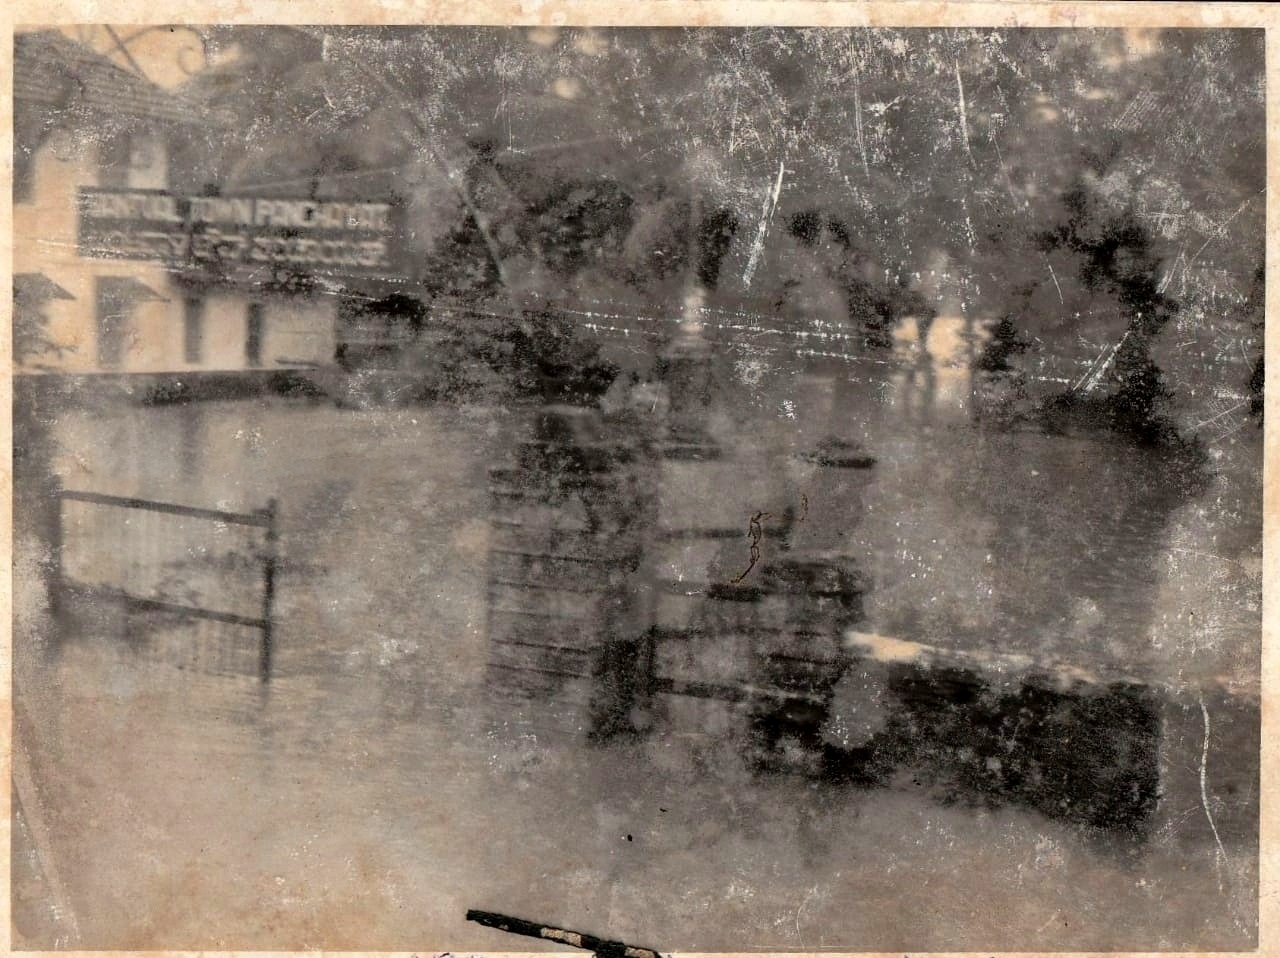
(631, 579)
(567, 548)
(195, 587)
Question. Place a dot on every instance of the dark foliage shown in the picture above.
(715, 234)
(1115, 257)
(546, 356)
(1006, 342)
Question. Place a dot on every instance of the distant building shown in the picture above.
(114, 273)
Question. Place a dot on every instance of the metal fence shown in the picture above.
(186, 568)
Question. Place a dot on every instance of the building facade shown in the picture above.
(114, 273)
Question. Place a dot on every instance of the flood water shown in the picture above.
(376, 789)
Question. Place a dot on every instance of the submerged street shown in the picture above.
(380, 787)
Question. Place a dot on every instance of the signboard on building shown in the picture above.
(235, 236)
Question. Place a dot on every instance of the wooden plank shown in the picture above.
(544, 600)
(260, 519)
(156, 605)
(557, 632)
(729, 692)
(556, 660)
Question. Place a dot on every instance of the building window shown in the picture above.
(116, 299)
(193, 329)
(31, 128)
(115, 154)
(142, 153)
(24, 175)
(114, 306)
(253, 336)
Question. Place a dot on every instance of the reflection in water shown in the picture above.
(194, 444)
(933, 385)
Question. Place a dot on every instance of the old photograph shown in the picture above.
(637, 489)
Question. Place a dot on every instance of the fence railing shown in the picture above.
(169, 558)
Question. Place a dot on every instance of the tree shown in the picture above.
(1113, 258)
(1005, 344)
(920, 145)
(32, 339)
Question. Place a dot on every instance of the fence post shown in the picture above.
(55, 548)
(268, 588)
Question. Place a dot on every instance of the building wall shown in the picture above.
(300, 331)
(296, 330)
(45, 242)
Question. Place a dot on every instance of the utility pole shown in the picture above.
(689, 359)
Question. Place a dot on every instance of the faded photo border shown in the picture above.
(711, 13)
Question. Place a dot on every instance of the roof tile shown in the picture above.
(54, 70)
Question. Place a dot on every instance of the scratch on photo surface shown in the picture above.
(1221, 856)
(964, 116)
(766, 214)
